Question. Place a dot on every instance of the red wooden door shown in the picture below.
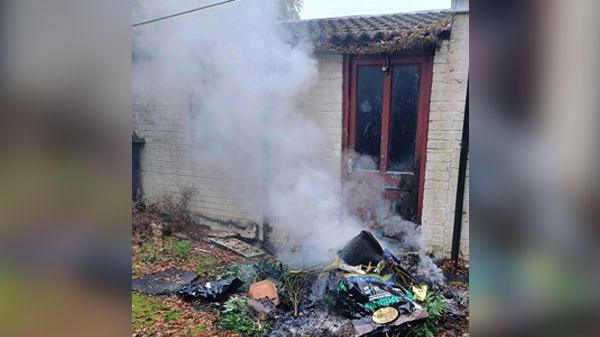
(385, 127)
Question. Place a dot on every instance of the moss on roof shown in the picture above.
(377, 34)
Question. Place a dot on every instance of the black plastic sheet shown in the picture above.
(212, 291)
(163, 283)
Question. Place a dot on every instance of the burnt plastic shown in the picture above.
(362, 250)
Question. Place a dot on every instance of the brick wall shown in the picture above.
(167, 165)
(323, 105)
(448, 97)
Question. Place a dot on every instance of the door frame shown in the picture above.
(350, 65)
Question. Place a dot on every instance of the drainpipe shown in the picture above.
(460, 190)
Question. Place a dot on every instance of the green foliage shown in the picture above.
(292, 287)
(292, 283)
(237, 315)
(206, 260)
(236, 304)
(267, 267)
(210, 266)
(150, 252)
(167, 251)
(145, 310)
(181, 249)
(242, 324)
(436, 308)
(232, 270)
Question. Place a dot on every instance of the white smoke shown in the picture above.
(408, 238)
(236, 76)
(232, 76)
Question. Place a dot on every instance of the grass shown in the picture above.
(170, 249)
(151, 313)
(171, 316)
(209, 265)
(150, 252)
(145, 310)
(181, 249)
(197, 330)
(178, 253)
(206, 264)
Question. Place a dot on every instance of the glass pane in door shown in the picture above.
(403, 117)
(369, 98)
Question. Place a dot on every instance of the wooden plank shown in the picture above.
(238, 246)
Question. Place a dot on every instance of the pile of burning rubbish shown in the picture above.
(368, 285)
(366, 291)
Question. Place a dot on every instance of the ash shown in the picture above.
(319, 318)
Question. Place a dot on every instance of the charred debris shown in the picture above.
(366, 291)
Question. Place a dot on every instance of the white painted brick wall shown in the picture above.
(167, 167)
(323, 105)
(448, 97)
(166, 161)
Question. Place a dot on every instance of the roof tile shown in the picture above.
(377, 34)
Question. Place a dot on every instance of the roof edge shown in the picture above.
(368, 16)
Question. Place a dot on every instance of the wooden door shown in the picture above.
(386, 112)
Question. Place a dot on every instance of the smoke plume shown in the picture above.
(233, 74)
